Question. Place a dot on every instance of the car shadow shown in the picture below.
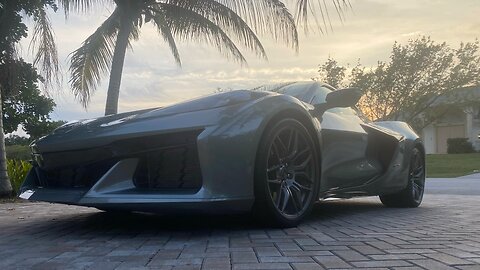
(103, 223)
(337, 208)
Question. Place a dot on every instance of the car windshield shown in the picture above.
(297, 90)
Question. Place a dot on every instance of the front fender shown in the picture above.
(228, 150)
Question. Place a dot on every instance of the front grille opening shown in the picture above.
(167, 162)
(73, 177)
(170, 169)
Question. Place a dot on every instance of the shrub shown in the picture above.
(17, 171)
(18, 152)
(459, 146)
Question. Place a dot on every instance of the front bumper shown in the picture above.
(156, 173)
(116, 190)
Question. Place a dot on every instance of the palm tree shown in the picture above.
(12, 30)
(220, 23)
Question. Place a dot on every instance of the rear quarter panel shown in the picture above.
(396, 176)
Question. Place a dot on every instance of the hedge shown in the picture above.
(459, 146)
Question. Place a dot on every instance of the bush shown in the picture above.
(459, 146)
(17, 172)
(18, 152)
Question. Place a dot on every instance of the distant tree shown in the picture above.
(415, 76)
(331, 73)
(12, 30)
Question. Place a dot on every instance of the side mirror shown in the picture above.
(344, 98)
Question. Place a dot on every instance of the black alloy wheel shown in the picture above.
(286, 173)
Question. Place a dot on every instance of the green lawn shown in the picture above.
(452, 165)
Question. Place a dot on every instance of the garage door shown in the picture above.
(444, 133)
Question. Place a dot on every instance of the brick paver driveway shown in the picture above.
(444, 233)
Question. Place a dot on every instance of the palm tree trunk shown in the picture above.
(5, 185)
(111, 106)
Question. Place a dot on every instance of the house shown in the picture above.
(458, 117)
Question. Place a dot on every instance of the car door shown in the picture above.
(344, 149)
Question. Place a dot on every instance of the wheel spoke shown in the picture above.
(279, 196)
(274, 168)
(291, 138)
(304, 164)
(304, 174)
(301, 153)
(286, 198)
(282, 145)
(300, 187)
(418, 172)
(293, 145)
(274, 181)
(296, 204)
(277, 152)
(416, 190)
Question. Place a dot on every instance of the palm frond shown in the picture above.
(160, 21)
(43, 42)
(134, 35)
(188, 25)
(82, 6)
(93, 59)
(268, 17)
(227, 19)
(307, 9)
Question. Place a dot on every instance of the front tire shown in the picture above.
(412, 195)
(286, 174)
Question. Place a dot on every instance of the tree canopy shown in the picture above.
(13, 29)
(415, 76)
(27, 106)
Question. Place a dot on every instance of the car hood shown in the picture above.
(194, 105)
(194, 113)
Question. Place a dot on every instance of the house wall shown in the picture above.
(466, 116)
(429, 139)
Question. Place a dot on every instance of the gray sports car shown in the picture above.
(270, 152)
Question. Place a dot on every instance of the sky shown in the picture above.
(152, 79)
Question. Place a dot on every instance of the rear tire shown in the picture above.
(286, 174)
(412, 195)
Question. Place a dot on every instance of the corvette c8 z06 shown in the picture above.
(272, 152)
